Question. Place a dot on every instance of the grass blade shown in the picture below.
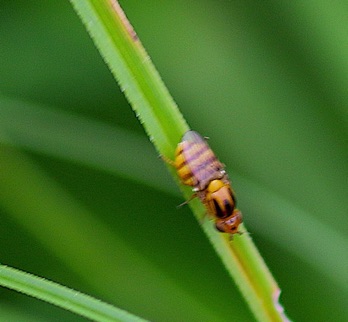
(62, 296)
(130, 64)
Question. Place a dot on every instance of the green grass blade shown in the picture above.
(132, 67)
(62, 296)
(137, 77)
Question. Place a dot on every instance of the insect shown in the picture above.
(198, 167)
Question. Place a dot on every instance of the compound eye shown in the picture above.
(220, 227)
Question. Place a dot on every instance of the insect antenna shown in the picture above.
(187, 201)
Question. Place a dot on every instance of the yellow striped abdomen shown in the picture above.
(183, 168)
(196, 164)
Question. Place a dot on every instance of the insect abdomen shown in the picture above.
(196, 163)
(183, 167)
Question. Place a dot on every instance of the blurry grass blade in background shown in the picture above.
(57, 133)
(62, 296)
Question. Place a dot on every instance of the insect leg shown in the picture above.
(167, 160)
(187, 201)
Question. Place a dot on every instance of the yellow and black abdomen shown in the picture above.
(183, 168)
(195, 162)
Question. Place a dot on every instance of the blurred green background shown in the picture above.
(86, 202)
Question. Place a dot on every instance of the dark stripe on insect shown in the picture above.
(197, 154)
(183, 163)
(206, 164)
(186, 175)
(181, 166)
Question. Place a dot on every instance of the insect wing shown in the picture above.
(202, 161)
